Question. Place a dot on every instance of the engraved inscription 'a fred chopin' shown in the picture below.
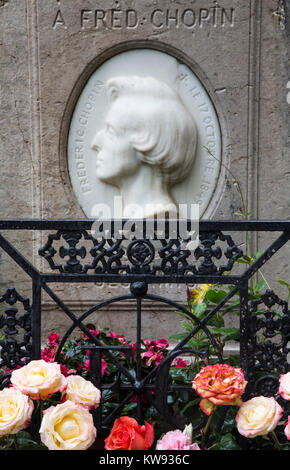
(146, 145)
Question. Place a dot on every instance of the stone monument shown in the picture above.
(79, 77)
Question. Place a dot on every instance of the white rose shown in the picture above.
(284, 389)
(39, 379)
(67, 426)
(15, 411)
(258, 416)
(82, 391)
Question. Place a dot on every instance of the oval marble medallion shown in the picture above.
(91, 130)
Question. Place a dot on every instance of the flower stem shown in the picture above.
(244, 211)
(206, 428)
(15, 441)
(236, 181)
(275, 439)
(260, 272)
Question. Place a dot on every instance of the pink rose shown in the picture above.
(152, 356)
(104, 366)
(284, 389)
(121, 338)
(161, 344)
(158, 358)
(47, 354)
(258, 416)
(149, 356)
(177, 440)
(53, 339)
(178, 362)
(94, 332)
(64, 369)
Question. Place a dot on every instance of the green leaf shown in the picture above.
(217, 321)
(25, 442)
(284, 283)
(231, 332)
(189, 405)
(199, 309)
(247, 258)
(259, 253)
(260, 285)
(230, 421)
(182, 314)
(242, 261)
(178, 337)
(107, 395)
(228, 442)
(6, 442)
(128, 408)
(232, 306)
(187, 326)
(193, 344)
(234, 335)
(215, 296)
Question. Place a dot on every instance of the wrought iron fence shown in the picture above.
(80, 258)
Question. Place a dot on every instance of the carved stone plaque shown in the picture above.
(168, 92)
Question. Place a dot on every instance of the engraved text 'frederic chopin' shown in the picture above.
(159, 19)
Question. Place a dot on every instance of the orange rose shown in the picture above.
(127, 434)
(219, 384)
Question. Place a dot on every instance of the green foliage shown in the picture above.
(226, 442)
(20, 441)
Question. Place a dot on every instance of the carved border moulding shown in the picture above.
(14, 352)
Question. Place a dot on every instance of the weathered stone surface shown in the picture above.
(48, 50)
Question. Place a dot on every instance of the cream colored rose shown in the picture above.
(284, 388)
(67, 427)
(82, 391)
(15, 411)
(39, 379)
(258, 416)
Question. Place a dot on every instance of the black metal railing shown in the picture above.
(73, 255)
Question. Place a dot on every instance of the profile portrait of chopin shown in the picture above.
(146, 145)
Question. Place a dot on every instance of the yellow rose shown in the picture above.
(39, 379)
(67, 427)
(198, 293)
(258, 416)
(15, 411)
(82, 391)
